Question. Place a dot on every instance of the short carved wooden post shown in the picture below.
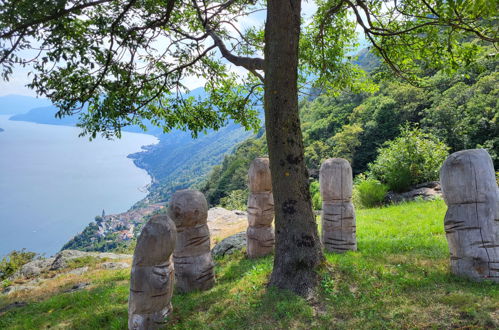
(192, 256)
(472, 219)
(338, 214)
(151, 280)
(260, 234)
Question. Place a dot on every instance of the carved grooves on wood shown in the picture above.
(194, 268)
(260, 235)
(338, 214)
(151, 278)
(471, 193)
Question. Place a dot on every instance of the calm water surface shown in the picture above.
(52, 183)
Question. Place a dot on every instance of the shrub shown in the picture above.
(414, 157)
(14, 261)
(236, 200)
(316, 195)
(368, 192)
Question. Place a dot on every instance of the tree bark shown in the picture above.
(298, 248)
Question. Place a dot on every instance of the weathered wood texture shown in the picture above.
(260, 234)
(194, 268)
(151, 279)
(338, 214)
(472, 220)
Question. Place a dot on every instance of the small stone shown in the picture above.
(79, 271)
(229, 245)
(115, 265)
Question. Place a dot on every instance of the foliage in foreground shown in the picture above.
(399, 278)
(368, 192)
(412, 158)
(14, 261)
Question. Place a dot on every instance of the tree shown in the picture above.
(128, 60)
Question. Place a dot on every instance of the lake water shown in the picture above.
(52, 183)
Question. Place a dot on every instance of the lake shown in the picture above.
(53, 184)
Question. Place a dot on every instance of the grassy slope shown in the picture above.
(399, 278)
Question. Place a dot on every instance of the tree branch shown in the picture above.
(249, 63)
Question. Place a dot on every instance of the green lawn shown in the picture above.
(399, 278)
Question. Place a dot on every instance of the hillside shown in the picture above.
(461, 110)
(178, 161)
(398, 279)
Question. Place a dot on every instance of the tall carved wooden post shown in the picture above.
(260, 234)
(472, 219)
(151, 280)
(338, 214)
(192, 256)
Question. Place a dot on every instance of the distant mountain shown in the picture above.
(367, 60)
(45, 115)
(16, 104)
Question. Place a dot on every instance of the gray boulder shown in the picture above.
(79, 271)
(34, 268)
(230, 245)
(426, 191)
(115, 265)
(62, 258)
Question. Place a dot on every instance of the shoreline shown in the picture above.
(74, 188)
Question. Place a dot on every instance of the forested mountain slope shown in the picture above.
(460, 109)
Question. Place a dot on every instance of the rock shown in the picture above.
(194, 268)
(107, 255)
(79, 271)
(427, 191)
(15, 304)
(115, 265)
(34, 268)
(230, 245)
(224, 223)
(78, 287)
(152, 275)
(16, 288)
(472, 219)
(338, 214)
(260, 234)
(62, 258)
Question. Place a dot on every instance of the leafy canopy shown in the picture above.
(130, 61)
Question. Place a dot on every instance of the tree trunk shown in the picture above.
(298, 248)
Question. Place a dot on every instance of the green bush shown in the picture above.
(14, 261)
(316, 195)
(235, 200)
(414, 157)
(368, 192)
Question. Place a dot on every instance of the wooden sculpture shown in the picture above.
(338, 214)
(192, 256)
(260, 235)
(151, 280)
(472, 219)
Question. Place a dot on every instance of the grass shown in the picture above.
(399, 278)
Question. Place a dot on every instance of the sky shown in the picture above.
(19, 79)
